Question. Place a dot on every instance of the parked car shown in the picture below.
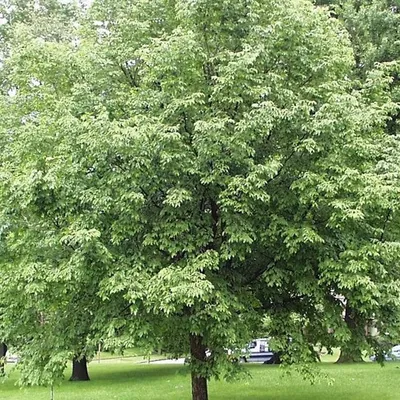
(258, 351)
(392, 355)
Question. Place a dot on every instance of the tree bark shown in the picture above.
(3, 353)
(79, 369)
(349, 356)
(350, 352)
(198, 355)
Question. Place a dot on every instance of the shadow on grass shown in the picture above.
(115, 374)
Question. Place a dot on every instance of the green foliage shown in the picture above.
(373, 29)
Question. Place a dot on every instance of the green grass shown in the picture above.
(123, 381)
(135, 355)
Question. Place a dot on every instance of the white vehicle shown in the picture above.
(258, 351)
(392, 355)
(258, 346)
(396, 352)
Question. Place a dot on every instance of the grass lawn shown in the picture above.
(133, 355)
(125, 381)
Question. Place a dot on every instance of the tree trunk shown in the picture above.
(198, 355)
(350, 351)
(3, 353)
(79, 369)
(349, 356)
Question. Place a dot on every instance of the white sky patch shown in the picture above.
(35, 82)
(12, 92)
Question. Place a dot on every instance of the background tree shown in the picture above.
(373, 29)
(3, 354)
(49, 307)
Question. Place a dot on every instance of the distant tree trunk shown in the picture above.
(79, 370)
(198, 353)
(3, 352)
(350, 352)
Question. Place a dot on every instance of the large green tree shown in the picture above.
(51, 303)
(194, 167)
(373, 28)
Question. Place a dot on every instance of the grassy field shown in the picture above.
(126, 381)
(133, 355)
